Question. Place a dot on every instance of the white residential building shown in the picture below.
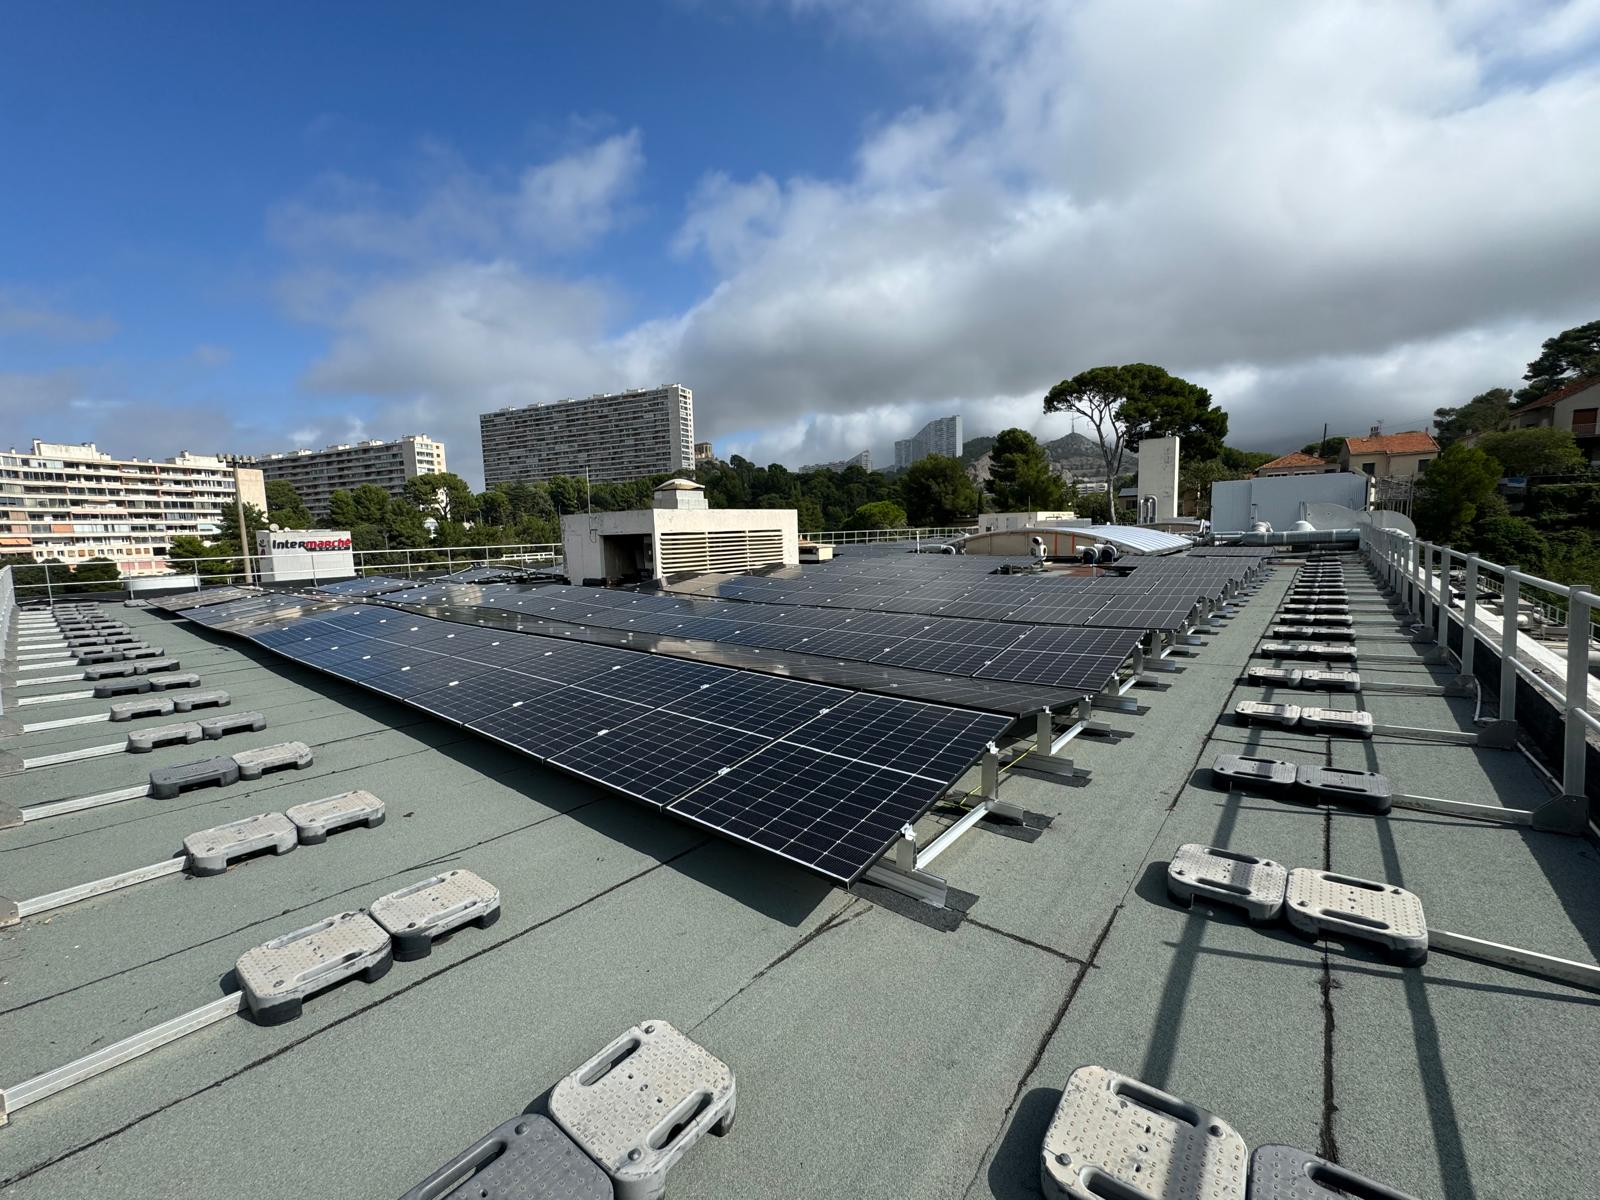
(617, 437)
(939, 436)
(317, 474)
(70, 503)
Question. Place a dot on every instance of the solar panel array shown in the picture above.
(821, 776)
(199, 599)
(1155, 593)
(1081, 661)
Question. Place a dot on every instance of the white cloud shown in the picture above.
(1309, 192)
(570, 202)
(1322, 211)
(451, 210)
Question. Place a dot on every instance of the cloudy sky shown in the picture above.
(833, 219)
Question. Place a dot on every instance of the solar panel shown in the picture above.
(659, 756)
(767, 705)
(370, 585)
(833, 815)
(544, 730)
(945, 658)
(864, 646)
(486, 695)
(412, 679)
(1088, 669)
(904, 734)
(654, 679)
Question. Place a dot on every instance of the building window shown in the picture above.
(1422, 465)
(1370, 468)
(1583, 421)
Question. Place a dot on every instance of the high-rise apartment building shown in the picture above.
(317, 474)
(939, 436)
(71, 503)
(623, 436)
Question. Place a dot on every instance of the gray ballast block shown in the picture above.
(143, 652)
(1227, 877)
(316, 819)
(166, 682)
(1330, 681)
(1255, 712)
(1332, 720)
(211, 850)
(1321, 651)
(112, 671)
(152, 706)
(142, 741)
(120, 687)
(238, 722)
(278, 976)
(253, 764)
(1257, 772)
(1363, 789)
(1285, 1173)
(416, 915)
(1113, 1136)
(212, 698)
(1321, 903)
(639, 1105)
(1272, 676)
(136, 604)
(527, 1158)
(96, 657)
(1311, 631)
(167, 782)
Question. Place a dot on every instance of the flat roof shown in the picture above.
(878, 1051)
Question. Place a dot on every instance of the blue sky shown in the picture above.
(245, 230)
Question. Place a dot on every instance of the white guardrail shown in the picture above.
(1488, 605)
(237, 568)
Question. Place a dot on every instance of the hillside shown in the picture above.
(1073, 455)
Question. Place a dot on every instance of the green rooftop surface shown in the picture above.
(876, 1055)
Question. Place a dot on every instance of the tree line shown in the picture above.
(1460, 501)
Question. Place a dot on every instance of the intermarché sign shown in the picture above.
(337, 543)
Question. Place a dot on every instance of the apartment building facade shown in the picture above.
(317, 474)
(939, 436)
(69, 503)
(616, 437)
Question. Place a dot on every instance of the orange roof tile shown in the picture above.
(1297, 459)
(1412, 441)
(1561, 393)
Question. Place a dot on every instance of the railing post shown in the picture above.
(49, 592)
(1577, 740)
(1469, 616)
(1508, 645)
(1444, 599)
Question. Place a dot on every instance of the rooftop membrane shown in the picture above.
(881, 1046)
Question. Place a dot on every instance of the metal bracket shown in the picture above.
(919, 885)
(1563, 814)
(1463, 808)
(1498, 735)
(1548, 966)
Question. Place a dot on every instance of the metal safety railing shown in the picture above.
(57, 579)
(1422, 576)
(860, 537)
